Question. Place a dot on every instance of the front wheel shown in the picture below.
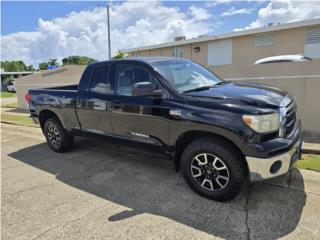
(57, 137)
(213, 169)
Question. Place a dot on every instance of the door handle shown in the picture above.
(116, 104)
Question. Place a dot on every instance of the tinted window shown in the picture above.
(128, 75)
(99, 82)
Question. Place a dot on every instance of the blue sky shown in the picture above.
(37, 31)
(23, 16)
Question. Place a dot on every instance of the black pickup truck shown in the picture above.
(219, 133)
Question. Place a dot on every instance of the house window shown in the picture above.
(312, 43)
(262, 40)
(177, 52)
(220, 52)
(136, 54)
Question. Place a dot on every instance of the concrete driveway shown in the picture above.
(102, 190)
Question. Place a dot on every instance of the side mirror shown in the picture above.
(146, 89)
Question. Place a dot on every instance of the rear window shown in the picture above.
(99, 82)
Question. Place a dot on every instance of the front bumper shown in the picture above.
(265, 168)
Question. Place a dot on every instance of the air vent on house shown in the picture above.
(179, 38)
(262, 40)
(313, 35)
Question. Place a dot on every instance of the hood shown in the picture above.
(247, 93)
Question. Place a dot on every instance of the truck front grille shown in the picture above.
(291, 118)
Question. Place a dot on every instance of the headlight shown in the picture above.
(262, 123)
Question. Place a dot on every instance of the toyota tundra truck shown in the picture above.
(219, 133)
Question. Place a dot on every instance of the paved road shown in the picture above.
(106, 191)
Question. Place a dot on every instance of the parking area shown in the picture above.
(102, 190)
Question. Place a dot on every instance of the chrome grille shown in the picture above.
(291, 117)
(288, 117)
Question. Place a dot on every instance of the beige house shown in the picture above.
(242, 48)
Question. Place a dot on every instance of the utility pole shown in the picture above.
(109, 42)
(109, 37)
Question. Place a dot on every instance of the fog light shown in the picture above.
(275, 166)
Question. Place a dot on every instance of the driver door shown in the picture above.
(142, 118)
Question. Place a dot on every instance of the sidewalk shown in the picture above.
(311, 148)
(8, 100)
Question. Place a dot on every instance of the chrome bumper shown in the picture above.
(265, 168)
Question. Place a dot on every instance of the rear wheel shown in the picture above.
(57, 137)
(213, 168)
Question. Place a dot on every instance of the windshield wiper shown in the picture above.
(199, 89)
(206, 87)
(222, 82)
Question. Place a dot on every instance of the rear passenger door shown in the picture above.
(141, 118)
(93, 103)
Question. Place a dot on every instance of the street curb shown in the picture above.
(313, 148)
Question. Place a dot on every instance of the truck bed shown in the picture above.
(60, 100)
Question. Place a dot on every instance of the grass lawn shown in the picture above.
(310, 162)
(8, 94)
(19, 120)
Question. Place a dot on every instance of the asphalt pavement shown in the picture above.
(102, 190)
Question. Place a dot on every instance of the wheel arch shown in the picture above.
(186, 138)
(45, 114)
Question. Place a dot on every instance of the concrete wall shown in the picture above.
(66, 75)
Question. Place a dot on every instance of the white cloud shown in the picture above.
(233, 11)
(210, 4)
(133, 24)
(199, 13)
(285, 11)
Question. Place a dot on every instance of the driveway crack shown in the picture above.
(247, 212)
(289, 178)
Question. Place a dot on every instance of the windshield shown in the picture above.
(185, 75)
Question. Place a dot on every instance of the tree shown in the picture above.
(30, 68)
(119, 55)
(13, 66)
(78, 60)
(51, 62)
(43, 66)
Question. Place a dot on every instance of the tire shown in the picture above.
(57, 137)
(220, 179)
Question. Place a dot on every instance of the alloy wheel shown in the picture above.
(210, 172)
(54, 135)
